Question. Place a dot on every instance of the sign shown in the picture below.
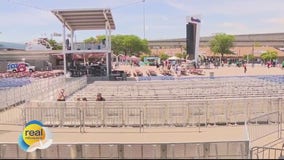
(34, 137)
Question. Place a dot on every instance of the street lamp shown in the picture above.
(143, 18)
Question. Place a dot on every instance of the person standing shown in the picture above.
(99, 97)
(245, 68)
(61, 96)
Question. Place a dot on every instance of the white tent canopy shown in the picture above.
(173, 58)
(85, 19)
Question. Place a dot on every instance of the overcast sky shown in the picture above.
(24, 20)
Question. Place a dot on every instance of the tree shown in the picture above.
(269, 55)
(54, 44)
(127, 44)
(90, 40)
(249, 57)
(221, 44)
(163, 56)
(181, 55)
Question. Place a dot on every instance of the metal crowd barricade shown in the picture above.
(113, 117)
(265, 125)
(158, 113)
(185, 150)
(202, 88)
(133, 117)
(93, 116)
(43, 89)
(266, 153)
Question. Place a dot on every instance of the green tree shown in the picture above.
(269, 55)
(221, 44)
(181, 55)
(127, 44)
(163, 56)
(248, 57)
(54, 44)
(90, 40)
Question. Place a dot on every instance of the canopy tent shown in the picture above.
(173, 58)
(85, 19)
(134, 57)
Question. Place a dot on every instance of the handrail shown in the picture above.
(262, 150)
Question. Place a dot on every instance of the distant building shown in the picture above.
(8, 46)
(243, 44)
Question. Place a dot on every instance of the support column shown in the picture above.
(107, 49)
(34, 155)
(164, 151)
(72, 40)
(64, 49)
(110, 52)
(120, 151)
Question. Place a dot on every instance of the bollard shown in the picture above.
(73, 151)
(34, 155)
(211, 74)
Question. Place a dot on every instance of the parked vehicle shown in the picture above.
(20, 67)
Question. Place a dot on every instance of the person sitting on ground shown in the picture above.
(61, 95)
(84, 99)
(99, 97)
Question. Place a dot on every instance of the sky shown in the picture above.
(25, 20)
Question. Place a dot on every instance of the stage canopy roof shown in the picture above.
(85, 19)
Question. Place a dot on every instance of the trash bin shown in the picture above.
(211, 75)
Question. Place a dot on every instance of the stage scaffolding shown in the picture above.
(86, 19)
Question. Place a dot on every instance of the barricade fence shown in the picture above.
(265, 125)
(41, 90)
(266, 153)
(145, 114)
(200, 150)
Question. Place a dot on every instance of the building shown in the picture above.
(253, 41)
(244, 44)
(7, 46)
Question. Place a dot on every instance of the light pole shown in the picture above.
(143, 17)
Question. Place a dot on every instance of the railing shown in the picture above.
(88, 46)
(27, 92)
(266, 153)
(101, 114)
(193, 89)
(265, 125)
(45, 89)
(201, 150)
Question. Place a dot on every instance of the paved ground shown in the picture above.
(220, 71)
(9, 134)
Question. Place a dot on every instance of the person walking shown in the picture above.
(245, 68)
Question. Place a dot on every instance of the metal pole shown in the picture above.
(64, 49)
(280, 125)
(144, 19)
(140, 121)
(199, 120)
(107, 48)
(72, 40)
